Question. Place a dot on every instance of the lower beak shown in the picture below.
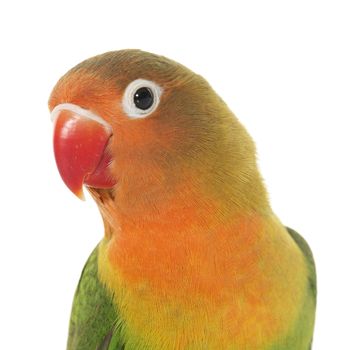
(80, 141)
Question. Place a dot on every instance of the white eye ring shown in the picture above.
(128, 99)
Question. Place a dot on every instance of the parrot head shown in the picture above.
(134, 127)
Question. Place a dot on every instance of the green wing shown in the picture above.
(94, 323)
(304, 247)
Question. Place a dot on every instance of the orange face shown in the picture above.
(109, 134)
(126, 127)
(89, 127)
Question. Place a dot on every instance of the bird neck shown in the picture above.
(177, 237)
(192, 261)
(195, 204)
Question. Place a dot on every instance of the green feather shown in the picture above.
(94, 323)
(304, 247)
(304, 326)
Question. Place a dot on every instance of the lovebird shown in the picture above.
(192, 255)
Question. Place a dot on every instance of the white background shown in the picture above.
(283, 68)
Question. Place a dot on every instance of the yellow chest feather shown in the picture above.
(242, 284)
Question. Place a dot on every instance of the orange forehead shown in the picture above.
(88, 91)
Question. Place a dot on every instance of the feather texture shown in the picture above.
(193, 256)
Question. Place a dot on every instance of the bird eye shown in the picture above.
(141, 98)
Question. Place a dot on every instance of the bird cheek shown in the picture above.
(80, 151)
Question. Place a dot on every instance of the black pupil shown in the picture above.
(143, 98)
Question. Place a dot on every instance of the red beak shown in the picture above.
(80, 141)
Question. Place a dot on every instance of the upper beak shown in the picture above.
(80, 141)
